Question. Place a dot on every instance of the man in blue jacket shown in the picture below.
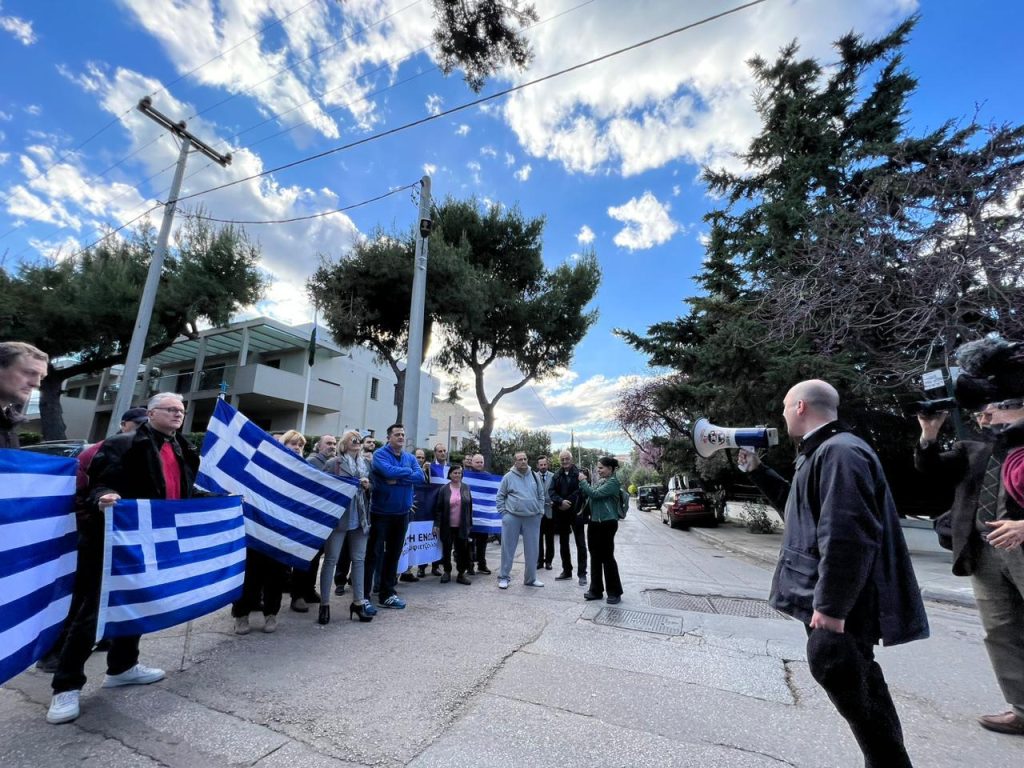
(395, 472)
(844, 569)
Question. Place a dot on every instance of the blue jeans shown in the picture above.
(388, 530)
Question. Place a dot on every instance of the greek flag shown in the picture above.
(38, 554)
(168, 562)
(290, 507)
(484, 487)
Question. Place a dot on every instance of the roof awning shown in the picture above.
(262, 338)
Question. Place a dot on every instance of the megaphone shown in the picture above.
(707, 438)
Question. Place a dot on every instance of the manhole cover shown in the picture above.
(645, 622)
(728, 606)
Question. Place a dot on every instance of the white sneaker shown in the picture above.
(270, 624)
(502, 583)
(242, 625)
(63, 707)
(137, 675)
(535, 583)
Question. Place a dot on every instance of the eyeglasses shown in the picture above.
(356, 441)
(173, 411)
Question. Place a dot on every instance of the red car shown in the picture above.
(684, 507)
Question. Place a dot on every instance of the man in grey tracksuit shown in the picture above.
(520, 502)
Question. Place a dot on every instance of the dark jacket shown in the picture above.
(129, 464)
(442, 510)
(8, 421)
(965, 465)
(843, 551)
(565, 486)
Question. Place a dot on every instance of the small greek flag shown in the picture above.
(168, 562)
(484, 487)
(38, 555)
(290, 507)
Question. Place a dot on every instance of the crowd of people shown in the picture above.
(844, 570)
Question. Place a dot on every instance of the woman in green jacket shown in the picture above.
(604, 522)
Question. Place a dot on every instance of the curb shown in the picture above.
(932, 594)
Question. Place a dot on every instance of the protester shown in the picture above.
(546, 540)
(421, 571)
(453, 518)
(394, 474)
(352, 530)
(604, 523)
(22, 369)
(302, 585)
(324, 448)
(987, 517)
(476, 464)
(439, 464)
(152, 462)
(566, 503)
(520, 502)
(844, 570)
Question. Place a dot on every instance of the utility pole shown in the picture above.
(414, 356)
(126, 391)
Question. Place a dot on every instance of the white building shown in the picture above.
(262, 366)
(454, 425)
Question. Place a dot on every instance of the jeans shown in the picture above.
(577, 529)
(846, 668)
(354, 542)
(389, 532)
(998, 582)
(264, 582)
(511, 527)
(604, 571)
(546, 542)
(344, 565)
(80, 634)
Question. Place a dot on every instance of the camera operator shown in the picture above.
(986, 521)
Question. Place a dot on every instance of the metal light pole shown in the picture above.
(414, 356)
(126, 391)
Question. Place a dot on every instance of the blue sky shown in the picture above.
(610, 155)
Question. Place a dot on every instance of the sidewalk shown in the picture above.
(931, 563)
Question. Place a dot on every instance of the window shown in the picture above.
(90, 391)
(374, 388)
(272, 363)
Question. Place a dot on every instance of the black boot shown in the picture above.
(325, 615)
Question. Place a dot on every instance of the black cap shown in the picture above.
(138, 415)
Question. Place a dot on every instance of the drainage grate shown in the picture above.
(728, 606)
(639, 620)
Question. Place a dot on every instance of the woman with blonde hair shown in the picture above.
(294, 441)
(353, 526)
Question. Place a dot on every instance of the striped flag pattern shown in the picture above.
(290, 507)
(38, 554)
(484, 487)
(168, 562)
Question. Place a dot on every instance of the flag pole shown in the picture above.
(309, 373)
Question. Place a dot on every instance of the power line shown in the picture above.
(321, 214)
(476, 102)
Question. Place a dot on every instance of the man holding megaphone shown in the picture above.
(844, 569)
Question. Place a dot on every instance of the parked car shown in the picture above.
(649, 496)
(684, 507)
(69, 448)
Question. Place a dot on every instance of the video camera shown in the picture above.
(931, 407)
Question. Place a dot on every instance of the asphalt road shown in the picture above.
(474, 676)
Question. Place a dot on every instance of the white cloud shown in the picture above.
(488, 151)
(429, 169)
(510, 159)
(585, 236)
(20, 29)
(34, 109)
(4, 157)
(434, 104)
(676, 190)
(647, 223)
(474, 168)
(6, 116)
(688, 98)
(524, 173)
(462, 130)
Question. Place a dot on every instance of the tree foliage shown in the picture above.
(847, 250)
(84, 308)
(510, 307)
(482, 35)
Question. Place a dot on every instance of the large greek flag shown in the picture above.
(38, 554)
(290, 507)
(168, 562)
(484, 487)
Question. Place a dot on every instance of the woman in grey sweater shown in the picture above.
(353, 526)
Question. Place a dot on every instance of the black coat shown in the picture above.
(442, 510)
(8, 421)
(565, 486)
(129, 464)
(843, 552)
(965, 465)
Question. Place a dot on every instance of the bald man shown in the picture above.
(844, 569)
(479, 552)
